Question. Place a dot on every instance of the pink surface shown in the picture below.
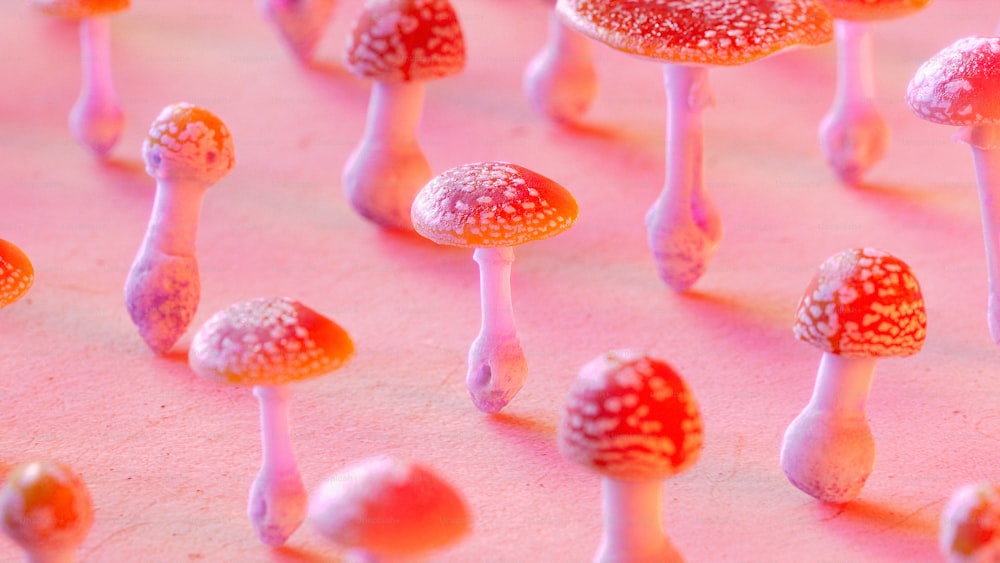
(169, 457)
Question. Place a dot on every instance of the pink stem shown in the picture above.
(96, 119)
(300, 23)
(987, 162)
(560, 81)
(633, 523)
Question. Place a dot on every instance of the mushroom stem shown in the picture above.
(984, 140)
(828, 450)
(633, 523)
(68, 555)
(387, 168)
(683, 226)
(560, 81)
(278, 499)
(497, 366)
(96, 119)
(173, 224)
(853, 134)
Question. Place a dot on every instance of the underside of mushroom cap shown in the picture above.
(188, 142)
(712, 32)
(80, 8)
(960, 85)
(406, 40)
(492, 205)
(865, 10)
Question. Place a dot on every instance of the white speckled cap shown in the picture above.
(188, 142)
(406, 40)
(389, 508)
(16, 273)
(863, 303)
(631, 417)
(960, 85)
(714, 32)
(79, 8)
(492, 204)
(45, 505)
(268, 341)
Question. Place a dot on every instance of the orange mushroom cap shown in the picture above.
(406, 40)
(631, 417)
(268, 341)
(490, 205)
(864, 10)
(715, 32)
(188, 142)
(16, 273)
(80, 8)
(960, 85)
(44, 505)
(863, 303)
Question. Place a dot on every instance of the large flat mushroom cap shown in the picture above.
(45, 505)
(16, 273)
(492, 205)
(268, 341)
(188, 142)
(80, 8)
(863, 303)
(631, 417)
(714, 32)
(406, 40)
(960, 85)
(866, 10)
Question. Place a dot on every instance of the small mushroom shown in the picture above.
(633, 420)
(862, 305)
(16, 273)
(383, 509)
(970, 525)
(493, 207)
(46, 509)
(187, 150)
(267, 343)
(300, 23)
(560, 81)
(96, 119)
(960, 86)
(683, 226)
(400, 44)
(853, 134)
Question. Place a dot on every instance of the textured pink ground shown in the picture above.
(169, 457)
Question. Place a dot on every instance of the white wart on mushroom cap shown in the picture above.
(960, 85)
(406, 40)
(16, 273)
(268, 341)
(79, 8)
(188, 142)
(863, 303)
(46, 505)
(865, 10)
(631, 417)
(718, 32)
(492, 205)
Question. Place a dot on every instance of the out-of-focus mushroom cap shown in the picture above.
(970, 524)
(491, 205)
(79, 8)
(960, 85)
(16, 273)
(389, 508)
(866, 10)
(45, 505)
(188, 142)
(406, 40)
(863, 303)
(711, 32)
(268, 341)
(631, 417)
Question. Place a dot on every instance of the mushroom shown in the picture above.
(300, 23)
(187, 150)
(853, 134)
(400, 44)
(862, 305)
(96, 119)
(16, 273)
(632, 419)
(267, 343)
(683, 226)
(560, 81)
(46, 509)
(960, 85)
(970, 525)
(382, 508)
(492, 207)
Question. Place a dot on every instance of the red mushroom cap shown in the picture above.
(960, 85)
(16, 273)
(188, 142)
(80, 8)
(46, 506)
(716, 32)
(864, 10)
(631, 417)
(406, 40)
(863, 303)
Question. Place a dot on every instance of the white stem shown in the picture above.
(56, 556)
(497, 365)
(855, 70)
(300, 23)
(394, 111)
(682, 243)
(96, 119)
(560, 80)
(278, 499)
(843, 384)
(633, 523)
(987, 162)
(173, 224)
